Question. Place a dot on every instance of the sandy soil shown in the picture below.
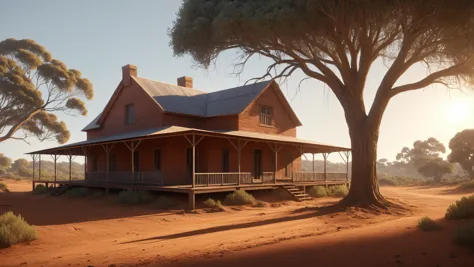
(97, 232)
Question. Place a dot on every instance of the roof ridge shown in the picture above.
(186, 88)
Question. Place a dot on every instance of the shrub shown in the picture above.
(427, 224)
(214, 205)
(467, 185)
(239, 197)
(338, 191)
(164, 203)
(317, 191)
(4, 187)
(78, 192)
(398, 181)
(3, 172)
(461, 209)
(464, 234)
(14, 229)
(259, 204)
(40, 189)
(135, 197)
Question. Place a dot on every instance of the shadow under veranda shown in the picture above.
(45, 209)
(370, 246)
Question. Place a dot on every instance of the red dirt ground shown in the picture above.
(98, 232)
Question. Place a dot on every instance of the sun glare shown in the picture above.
(458, 111)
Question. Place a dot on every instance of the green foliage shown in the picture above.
(464, 234)
(134, 197)
(427, 224)
(317, 191)
(259, 204)
(3, 172)
(4, 187)
(461, 209)
(40, 189)
(239, 197)
(422, 152)
(398, 181)
(14, 229)
(78, 192)
(436, 168)
(23, 106)
(214, 205)
(462, 150)
(337, 191)
(467, 185)
(5, 162)
(163, 202)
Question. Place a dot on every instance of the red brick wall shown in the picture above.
(147, 113)
(230, 123)
(170, 119)
(282, 123)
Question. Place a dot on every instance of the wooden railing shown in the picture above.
(305, 176)
(267, 177)
(151, 178)
(218, 178)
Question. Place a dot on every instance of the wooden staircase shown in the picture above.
(298, 195)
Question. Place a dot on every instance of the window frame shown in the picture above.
(128, 120)
(266, 115)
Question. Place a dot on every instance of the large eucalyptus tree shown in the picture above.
(337, 42)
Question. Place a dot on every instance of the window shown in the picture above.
(112, 162)
(225, 160)
(129, 114)
(257, 164)
(266, 115)
(157, 159)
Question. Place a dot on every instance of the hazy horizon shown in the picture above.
(98, 38)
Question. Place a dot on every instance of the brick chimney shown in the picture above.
(185, 81)
(127, 71)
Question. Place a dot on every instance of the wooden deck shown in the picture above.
(189, 188)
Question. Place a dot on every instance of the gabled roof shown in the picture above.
(189, 101)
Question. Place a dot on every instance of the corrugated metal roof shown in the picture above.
(170, 130)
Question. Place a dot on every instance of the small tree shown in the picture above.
(336, 42)
(422, 152)
(5, 162)
(462, 150)
(436, 168)
(32, 87)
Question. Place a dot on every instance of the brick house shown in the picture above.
(158, 136)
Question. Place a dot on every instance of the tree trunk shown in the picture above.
(364, 189)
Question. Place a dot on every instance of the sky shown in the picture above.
(99, 37)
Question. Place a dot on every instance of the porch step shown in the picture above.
(298, 195)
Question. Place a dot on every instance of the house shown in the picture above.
(157, 136)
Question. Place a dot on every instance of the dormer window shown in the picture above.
(129, 114)
(266, 115)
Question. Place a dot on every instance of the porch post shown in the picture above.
(194, 162)
(313, 161)
(107, 149)
(276, 164)
(238, 156)
(33, 157)
(313, 175)
(39, 167)
(70, 170)
(325, 156)
(84, 151)
(191, 200)
(55, 172)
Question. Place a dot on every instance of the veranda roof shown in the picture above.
(75, 148)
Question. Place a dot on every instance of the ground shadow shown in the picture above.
(356, 247)
(45, 209)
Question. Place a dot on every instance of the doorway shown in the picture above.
(257, 165)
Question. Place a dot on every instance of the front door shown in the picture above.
(257, 165)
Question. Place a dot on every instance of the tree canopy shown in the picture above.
(337, 42)
(436, 168)
(421, 152)
(462, 150)
(5, 162)
(33, 87)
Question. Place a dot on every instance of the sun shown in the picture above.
(458, 111)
